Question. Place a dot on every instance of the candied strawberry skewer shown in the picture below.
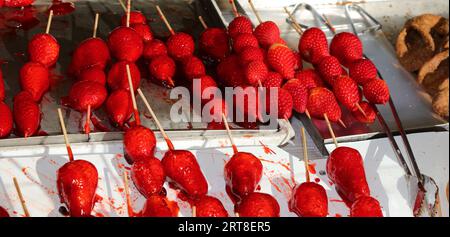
(77, 181)
(214, 41)
(266, 32)
(309, 199)
(243, 171)
(175, 162)
(21, 198)
(44, 48)
(26, 114)
(179, 45)
(345, 168)
(240, 24)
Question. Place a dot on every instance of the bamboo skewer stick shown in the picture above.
(234, 8)
(49, 22)
(305, 155)
(158, 124)
(255, 11)
(128, 12)
(87, 126)
(330, 128)
(22, 200)
(227, 126)
(163, 17)
(200, 18)
(127, 194)
(133, 97)
(66, 138)
(295, 24)
(94, 34)
(123, 5)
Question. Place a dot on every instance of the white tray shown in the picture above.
(35, 168)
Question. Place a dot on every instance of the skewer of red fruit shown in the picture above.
(175, 162)
(6, 116)
(44, 48)
(345, 168)
(267, 32)
(243, 172)
(214, 42)
(77, 181)
(309, 199)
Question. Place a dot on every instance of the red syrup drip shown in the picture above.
(62, 8)
(70, 153)
(267, 150)
(312, 168)
(136, 117)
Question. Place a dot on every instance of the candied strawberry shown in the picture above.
(362, 71)
(282, 60)
(87, 93)
(118, 76)
(6, 120)
(27, 115)
(309, 200)
(208, 206)
(136, 17)
(148, 175)
(157, 206)
(139, 144)
(243, 173)
(243, 41)
(366, 207)
(119, 107)
(370, 114)
(205, 82)
(256, 72)
(258, 205)
(183, 169)
(125, 44)
(347, 48)
(313, 45)
(93, 52)
(345, 168)
(251, 54)
(34, 78)
(285, 103)
(230, 72)
(240, 25)
(163, 70)
(273, 79)
(94, 74)
(77, 183)
(193, 68)
(17, 3)
(267, 33)
(321, 101)
(180, 46)
(214, 42)
(299, 94)
(329, 69)
(376, 91)
(310, 78)
(43, 49)
(144, 31)
(347, 92)
(154, 49)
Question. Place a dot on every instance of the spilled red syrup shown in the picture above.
(61, 8)
(42, 133)
(267, 150)
(337, 200)
(312, 168)
(337, 215)
(48, 190)
(317, 180)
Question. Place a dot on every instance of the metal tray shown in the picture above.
(73, 28)
(413, 104)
